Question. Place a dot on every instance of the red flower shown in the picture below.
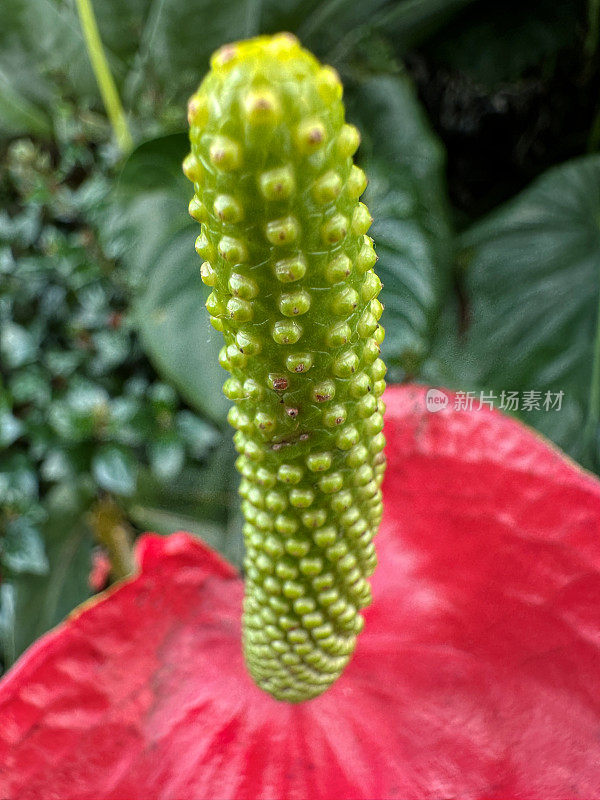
(477, 675)
(100, 571)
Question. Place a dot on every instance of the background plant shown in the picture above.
(480, 127)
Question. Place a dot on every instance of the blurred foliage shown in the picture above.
(110, 390)
(82, 413)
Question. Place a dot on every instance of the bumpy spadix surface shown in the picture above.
(285, 249)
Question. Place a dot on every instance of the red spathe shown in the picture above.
(477, 675)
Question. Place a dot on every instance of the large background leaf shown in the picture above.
(407, 198)
(169, 294)
(532, 284)
(51, 35)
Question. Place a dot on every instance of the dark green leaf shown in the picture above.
(407, 198)
(82, 412)
(30, 385)
(62, 364)
(59, 465)
(163, 397)
(129, 422)
(170, 297)
(50, 34)
(533, 285)
(156, 165)
(112, 349)
(339, 31)
(120, 25)
(179, 38)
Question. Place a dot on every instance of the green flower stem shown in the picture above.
(106, 83)
(106, 521)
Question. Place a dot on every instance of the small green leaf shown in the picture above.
(167, 456)
(82, 412)
(112, 349)
(10, 428)
(128, 422)
(58, 465)
(17, 345)
(23, 548)
(18, 482)
(115, 469)
(31, 385)
(62, 364)
(163, 397)
(199, 436)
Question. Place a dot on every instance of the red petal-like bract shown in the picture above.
(477, 675)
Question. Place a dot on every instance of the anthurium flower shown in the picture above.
(477, 675)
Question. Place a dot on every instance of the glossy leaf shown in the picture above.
(10, 428)
(18, 483)
(198, 435)
(17, 346)
(407, 198)
(170, 298)
(23, 548)
(475, 677)
(532, 283)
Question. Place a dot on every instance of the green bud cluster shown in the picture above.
(286, 253)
